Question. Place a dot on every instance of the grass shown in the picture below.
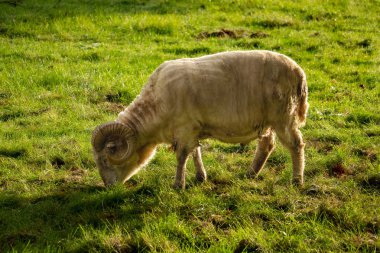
(67, 66)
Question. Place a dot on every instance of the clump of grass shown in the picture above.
(188, 52)
(274, 23)
(372, 182)
(13, 152)
(363, 118)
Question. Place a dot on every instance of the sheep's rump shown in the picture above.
(233, 94)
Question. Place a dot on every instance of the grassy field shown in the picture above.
(67, 66)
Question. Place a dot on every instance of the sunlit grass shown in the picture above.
(67, 66)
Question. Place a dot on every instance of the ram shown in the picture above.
(234, 97)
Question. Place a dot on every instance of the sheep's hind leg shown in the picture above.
(201, 175)
(292, 140)
(264, 148)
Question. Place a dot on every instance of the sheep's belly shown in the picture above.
(231, 137)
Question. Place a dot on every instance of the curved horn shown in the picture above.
(102, 133)
(117, 160)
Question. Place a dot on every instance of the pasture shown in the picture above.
(67, 66)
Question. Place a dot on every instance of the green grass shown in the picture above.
(67, 66)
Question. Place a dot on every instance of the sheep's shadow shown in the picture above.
(49, 219)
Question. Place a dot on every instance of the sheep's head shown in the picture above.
(114, 146)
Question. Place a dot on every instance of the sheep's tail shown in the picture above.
(302, 92)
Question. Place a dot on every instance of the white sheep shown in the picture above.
(234, 97)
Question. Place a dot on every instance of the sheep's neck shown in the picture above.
(140, 115)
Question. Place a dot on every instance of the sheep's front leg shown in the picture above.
(201, 175)
(180, 177)
(264, 148)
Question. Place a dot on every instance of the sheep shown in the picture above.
(234, 97)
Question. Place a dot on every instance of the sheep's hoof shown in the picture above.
(251, 174)
(298, 182)
(201, 177)
(179, 186)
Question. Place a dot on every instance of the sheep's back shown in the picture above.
(233, 90)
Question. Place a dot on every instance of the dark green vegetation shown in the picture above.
(67, 66)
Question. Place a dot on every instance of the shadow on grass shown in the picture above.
(57, 9)
(37, 11)
(242, 148)
(51, 218)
